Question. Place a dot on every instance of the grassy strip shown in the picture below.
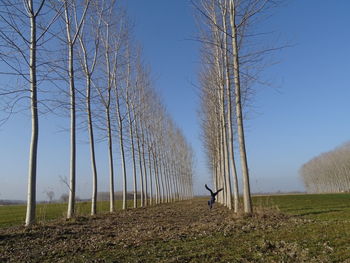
(11, 215)
(315, 206)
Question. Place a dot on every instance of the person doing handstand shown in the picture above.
(212, 199)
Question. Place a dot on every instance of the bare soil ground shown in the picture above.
(179, 232)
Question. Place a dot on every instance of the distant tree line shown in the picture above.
(78, 58)
(328, 172)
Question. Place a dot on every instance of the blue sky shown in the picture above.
(305, 113)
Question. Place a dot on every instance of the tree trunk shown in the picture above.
(144, 165)
(219, 165)
(229, 119)
(167, 180)
(71, 201)
(110, 158)
(227, 182)
(122, 151)
(31, 198)
(133, 156)
(92, 146)
(142, 194)
(133, 167)
(164, 196)
(222, 117)
(150, 176)
(156, 178)
(241, 139)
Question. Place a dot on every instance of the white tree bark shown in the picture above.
(92, 147)
(141, 179)
(88, 66)
(121, 146)
(71, 200)
(70, 6)
(31, 198)
(150, 174)
(106, 101)
(131, 132)
(144, 161)
(23, 27)
(110, 159)
(239, 114)
(229, 112)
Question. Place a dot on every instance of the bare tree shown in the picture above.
(143, 86)
(91, 33)
(225, 54)
(64, 198)
(73, 26)
(136, 108)
(106, 99)
(130, 97)
(120, 119)
(50, 195)
(19, 18)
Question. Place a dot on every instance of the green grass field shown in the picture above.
(11, 215)
(316, 206)
(284, 228)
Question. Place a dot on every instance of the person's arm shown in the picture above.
(218, 191)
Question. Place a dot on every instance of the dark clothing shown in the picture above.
(212, 200)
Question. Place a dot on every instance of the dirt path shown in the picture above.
(124, 228)
(137, 235)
